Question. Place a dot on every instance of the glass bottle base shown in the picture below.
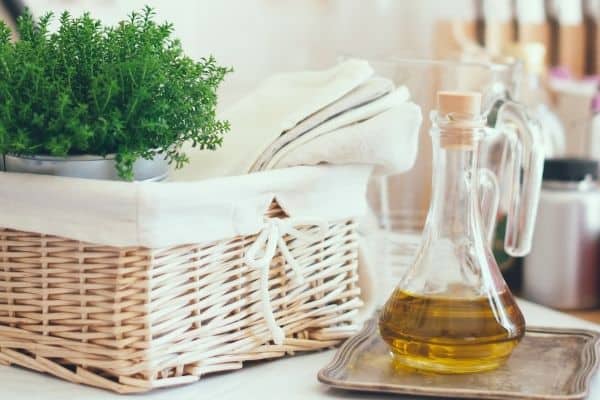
(451, 335)
(451, 359)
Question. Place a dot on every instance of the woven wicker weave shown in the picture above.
(134, 319)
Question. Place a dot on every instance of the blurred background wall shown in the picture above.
(260, 37)
(5, 14)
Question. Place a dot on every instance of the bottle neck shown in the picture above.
(453, 213)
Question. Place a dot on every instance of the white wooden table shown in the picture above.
(287, 379)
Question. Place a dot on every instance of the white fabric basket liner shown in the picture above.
(156, 215)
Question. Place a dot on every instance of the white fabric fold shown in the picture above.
(390, 137)
(367, 92)
(157, 215)
(398, 97)
(279, 104)
(378, 141)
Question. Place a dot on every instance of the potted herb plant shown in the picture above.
(108, 102)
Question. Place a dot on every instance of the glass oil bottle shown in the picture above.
(452, 312)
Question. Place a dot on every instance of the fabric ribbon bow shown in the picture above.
(268, 241)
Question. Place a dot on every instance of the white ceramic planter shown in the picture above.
(87, 166)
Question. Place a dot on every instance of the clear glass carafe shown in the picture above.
(400, 202)
(452, 312)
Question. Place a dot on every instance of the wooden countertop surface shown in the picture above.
(588, 315)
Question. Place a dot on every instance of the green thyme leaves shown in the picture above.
(87, 88)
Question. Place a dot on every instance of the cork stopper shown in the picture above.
(463, 110)
(467, 103)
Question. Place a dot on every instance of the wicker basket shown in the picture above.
(134, 319)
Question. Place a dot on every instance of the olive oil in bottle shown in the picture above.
(452, 312)
(451, 335)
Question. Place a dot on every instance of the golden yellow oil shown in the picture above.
(447, 335)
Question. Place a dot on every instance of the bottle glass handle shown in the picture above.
(489, 200)
(525, 163)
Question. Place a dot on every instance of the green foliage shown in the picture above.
(94, 89)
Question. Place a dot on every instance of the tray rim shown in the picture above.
(590, 363)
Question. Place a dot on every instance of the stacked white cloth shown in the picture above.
(344, 115)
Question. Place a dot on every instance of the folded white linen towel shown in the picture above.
(369, 91)
(272, 126)
(390, 138)
(279, 104)
(383, 133)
